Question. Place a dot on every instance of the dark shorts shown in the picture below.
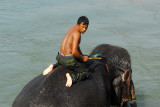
(80, 72)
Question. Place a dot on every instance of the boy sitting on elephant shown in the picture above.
(70, 54)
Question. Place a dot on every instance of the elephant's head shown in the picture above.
(121, 77)
(118, 63)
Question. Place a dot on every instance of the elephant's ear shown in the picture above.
(124, 87)
(128, 92)
(133, 91)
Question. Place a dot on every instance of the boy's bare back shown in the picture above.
(67, 43)
(70, 43)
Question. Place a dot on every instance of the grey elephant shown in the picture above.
(109, 84)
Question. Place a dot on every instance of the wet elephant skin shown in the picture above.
(50, 90)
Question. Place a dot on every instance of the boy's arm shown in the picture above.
(75, 46)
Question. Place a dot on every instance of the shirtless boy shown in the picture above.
(70, 54)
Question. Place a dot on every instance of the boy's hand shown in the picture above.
(85, 58)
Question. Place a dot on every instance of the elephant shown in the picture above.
(109, 83)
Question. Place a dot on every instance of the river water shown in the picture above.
(31, 32)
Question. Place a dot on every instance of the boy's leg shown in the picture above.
(80, 73)
(50, 68)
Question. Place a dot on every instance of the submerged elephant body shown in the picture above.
(50, 90)
(98, 90)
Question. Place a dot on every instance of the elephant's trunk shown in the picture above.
(128, 92)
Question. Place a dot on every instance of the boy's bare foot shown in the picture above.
(69, 80)
(48, 70)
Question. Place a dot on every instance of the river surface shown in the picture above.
(31, 32)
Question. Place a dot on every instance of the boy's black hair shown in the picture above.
(83, 19)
